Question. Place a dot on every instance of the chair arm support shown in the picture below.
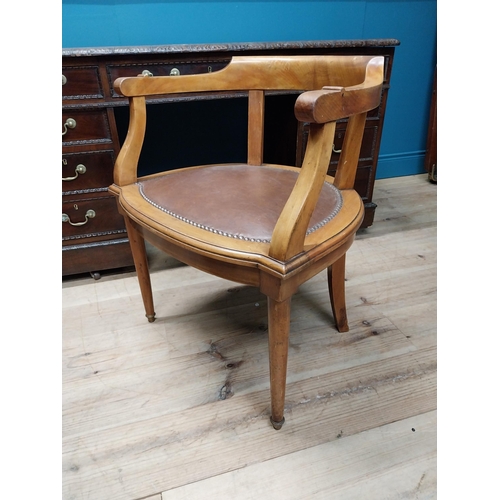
(125, 171)
(290, 231)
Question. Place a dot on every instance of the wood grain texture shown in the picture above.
(256, 105)
(346, 170)
(350, 468)
(181, 406)
(151, 217)
(290, 231)
(267, 73)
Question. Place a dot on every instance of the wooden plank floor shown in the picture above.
(180, 408)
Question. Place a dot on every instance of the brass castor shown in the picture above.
(151, 317)
(278, 425)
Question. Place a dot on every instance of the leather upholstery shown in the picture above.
(205, 197)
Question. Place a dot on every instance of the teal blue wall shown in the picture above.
(92, 23)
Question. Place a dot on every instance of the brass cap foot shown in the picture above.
(278, 425)
(151, 317)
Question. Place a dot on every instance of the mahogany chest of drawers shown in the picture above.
(95, 120)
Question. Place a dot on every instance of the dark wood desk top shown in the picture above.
(228, 47)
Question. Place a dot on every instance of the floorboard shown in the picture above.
(179, 408)
(349, 468)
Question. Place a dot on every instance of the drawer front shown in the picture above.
(363, 180)
(81, 83)
(368, 144)
(91, 217)
(115, 71)
(92, 171)
(98, 256)
(85, 127)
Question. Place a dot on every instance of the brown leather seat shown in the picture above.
(256, 197)
(270, 226)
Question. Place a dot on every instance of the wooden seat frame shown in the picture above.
(334, 88)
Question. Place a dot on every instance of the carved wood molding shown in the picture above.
(228, 47)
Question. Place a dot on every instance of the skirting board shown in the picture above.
(400, 164)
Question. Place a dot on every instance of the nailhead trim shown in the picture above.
(239, 237)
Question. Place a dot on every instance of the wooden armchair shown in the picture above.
(269, 226)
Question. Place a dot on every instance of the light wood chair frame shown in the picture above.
(333, 88)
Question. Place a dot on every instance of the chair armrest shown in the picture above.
(322, 108)
(334, 103)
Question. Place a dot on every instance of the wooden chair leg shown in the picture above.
(336, 287)
(138, 248)
(279, 328)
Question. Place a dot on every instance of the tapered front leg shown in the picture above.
(138, 248)
(336, 287)
(279, 328)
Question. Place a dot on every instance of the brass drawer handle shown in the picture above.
(69, 123)
(336, 150)
(89, 215)
(173, 72)
(80, 169)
